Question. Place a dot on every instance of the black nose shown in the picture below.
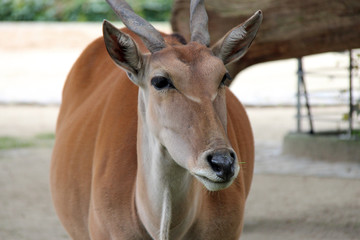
(222, 162)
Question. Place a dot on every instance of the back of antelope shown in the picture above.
(166, 155)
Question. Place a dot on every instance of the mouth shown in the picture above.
(214, 184)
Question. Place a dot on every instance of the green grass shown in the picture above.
(14, 142)
(45, 136)
(39, 140)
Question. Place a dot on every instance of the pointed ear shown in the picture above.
(237, 41)
(123, 51)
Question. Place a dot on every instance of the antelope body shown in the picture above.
(167, 155)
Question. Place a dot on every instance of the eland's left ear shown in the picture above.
(237, 41)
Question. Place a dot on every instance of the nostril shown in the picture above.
(213, 163)
(232, 155)
(209, 158)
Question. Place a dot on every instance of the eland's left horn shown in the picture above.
(148, 34)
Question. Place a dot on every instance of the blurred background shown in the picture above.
(78, 10)
(299, 83)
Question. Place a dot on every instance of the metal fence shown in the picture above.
(346, 94)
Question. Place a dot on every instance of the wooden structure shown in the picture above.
(291, 29)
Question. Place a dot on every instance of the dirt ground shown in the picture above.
(291, 199)
(285, 206)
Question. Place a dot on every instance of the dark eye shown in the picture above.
(226, 80)
(161, 83)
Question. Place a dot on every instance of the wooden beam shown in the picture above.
(290, 29)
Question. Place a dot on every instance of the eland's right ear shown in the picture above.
(237, 41)
(123, 51)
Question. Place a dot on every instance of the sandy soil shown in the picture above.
(280, 206)
(292, 204)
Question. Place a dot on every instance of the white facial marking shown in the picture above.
(194, 99)
(214, 96)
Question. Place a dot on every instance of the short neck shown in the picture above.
(167, 198)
